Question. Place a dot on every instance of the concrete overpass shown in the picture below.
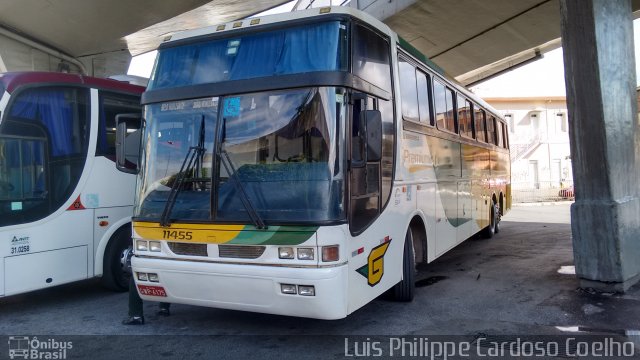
(470, 39)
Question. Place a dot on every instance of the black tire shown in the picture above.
(498, 217)
(405, 289)
(490, 230)
(115, 277)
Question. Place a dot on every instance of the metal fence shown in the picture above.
(542, 191)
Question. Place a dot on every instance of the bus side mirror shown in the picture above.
(373, 125)
(128, 141)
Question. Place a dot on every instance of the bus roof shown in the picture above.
(12, 80)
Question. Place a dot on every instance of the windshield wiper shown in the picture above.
(244, 198)
(193, 158)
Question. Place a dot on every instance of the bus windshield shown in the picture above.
(281, 149)
(300, 49)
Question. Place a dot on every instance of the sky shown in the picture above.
(544, 77)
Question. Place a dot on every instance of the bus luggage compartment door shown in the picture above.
(44, 269)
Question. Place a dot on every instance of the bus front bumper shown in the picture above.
(245, 287)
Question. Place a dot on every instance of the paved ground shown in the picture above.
(511, 284)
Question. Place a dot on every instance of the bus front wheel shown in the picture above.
(115, 277)
(405, 289)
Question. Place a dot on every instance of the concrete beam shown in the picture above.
(597, 37)
(381, 9)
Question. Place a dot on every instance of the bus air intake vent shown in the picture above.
(188, 249)
(240, 251)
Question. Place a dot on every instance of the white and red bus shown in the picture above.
(65, 211)
(302, 164)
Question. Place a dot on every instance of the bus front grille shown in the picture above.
(241, 251)
(188, 249)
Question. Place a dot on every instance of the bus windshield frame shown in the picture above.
(284, 147)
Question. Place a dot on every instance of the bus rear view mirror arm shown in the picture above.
(128, 142)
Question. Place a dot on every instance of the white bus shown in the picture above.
(65, 211)
(302, 164)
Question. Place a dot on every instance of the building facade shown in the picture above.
(540, 151)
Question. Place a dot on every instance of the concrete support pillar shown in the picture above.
(597, 37)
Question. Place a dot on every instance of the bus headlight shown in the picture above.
(289, 289)
(154, 246)
(306, 290)
(142, 245)
(285, 253)
(305, 253)
(143, 276)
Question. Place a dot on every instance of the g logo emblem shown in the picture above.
(374, 269)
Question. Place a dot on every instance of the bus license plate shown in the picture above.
(152, 290)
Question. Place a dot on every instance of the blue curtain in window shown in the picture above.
(52, 110)
(310, 49)
(290, 51)
(175, 67)
(258, 55)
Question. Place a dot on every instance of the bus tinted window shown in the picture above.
(443, 99)
(505, 136)
(371, 58)
(464, 117)
(424, 102)
(301, 49)
(480, 124)
(499, 133)
(408, 91)
(491, 130)
(44, 140)
(110, 106)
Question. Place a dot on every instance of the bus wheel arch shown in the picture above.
(419, 236)
(114, 276)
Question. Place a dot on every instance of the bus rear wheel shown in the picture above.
(405, 289)
(114, 276)
(494, 217)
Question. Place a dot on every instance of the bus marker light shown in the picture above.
(305, 253)
(324, 10)
(142, 245)
(143, 276)
(255, 22)
(305, 290)
(331, 253)
(154, 246)
(288, 289)
(285, 253)
(103, 223)
(153, 277)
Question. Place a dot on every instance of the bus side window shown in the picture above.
(491, 130)
(443, 99)
(464, 117)
(480, 124)
(112, 104)
(44, 141)
(423, 98)
(408, 90)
